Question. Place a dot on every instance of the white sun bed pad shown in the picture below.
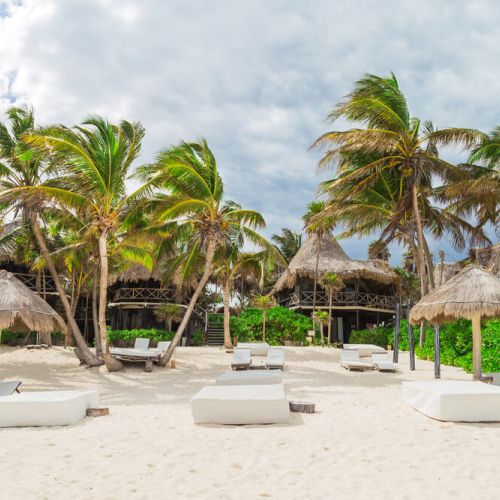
(46, 408)
(250, 377)
(134, 353)
(454, 400)
(245, 404)
(256, 348)
(364, 349)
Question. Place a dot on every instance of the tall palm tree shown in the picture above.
(194, 211)
(391, 140)
(94, 160)
(318, 223)
(25, 180)
(288, 243)
(331, 283)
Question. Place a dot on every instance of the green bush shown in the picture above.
(13, 338)
(197, 338)
(380, 336)
(126, 338)
(282, 325)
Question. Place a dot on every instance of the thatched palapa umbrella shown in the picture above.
(472, 294)
(22, 310)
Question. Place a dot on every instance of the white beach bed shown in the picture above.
(249, 377)
(384, 363)
(364, 349)
(256, 348)
(242, 359)
(236, 405)
(454, 400)
(48, 408)
(275, 358)
(350, 360)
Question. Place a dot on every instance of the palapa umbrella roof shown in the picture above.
(23, 310)
(470, 292)
(332, 259)
(135, 273)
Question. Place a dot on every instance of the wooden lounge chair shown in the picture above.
(384, 363)
(364, 350)
(161, 347)
(242, 359)
(9, 387)
(275, 359)
(350, 361)
(256, 348)
(137, 356)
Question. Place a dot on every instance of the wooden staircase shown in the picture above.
(215, 329)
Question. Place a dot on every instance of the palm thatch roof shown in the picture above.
(135, 273)
(332, 259)
(443, 272)
(488, 257)
(472, 291)
(23, 310)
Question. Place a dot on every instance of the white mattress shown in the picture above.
(256, 348)
(364, 349)
(244, 404)
(249, 377)
(134, 353)
(46, 408)
(454, 400)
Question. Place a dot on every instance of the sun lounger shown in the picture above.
(249, 377)
(364, 350)
(275, 358)
(454, 400)
(141, 344)
(244, 404)
(9, 387)
(384, 363)
(137, 356)
(256, 348)
(350, 361)
(46, 408)
(161, 347)
(242, 359)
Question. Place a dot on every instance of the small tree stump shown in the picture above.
(172, 363)
(97, 412)
(302, 407)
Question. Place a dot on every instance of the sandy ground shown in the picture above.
(363, 442)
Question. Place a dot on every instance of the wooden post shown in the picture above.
(395, 353)
(476, 347)
(411, 340)
(437, 353)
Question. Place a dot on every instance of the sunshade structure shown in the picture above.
(22, 310)
(471, 294)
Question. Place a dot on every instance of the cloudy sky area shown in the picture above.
(256, 78)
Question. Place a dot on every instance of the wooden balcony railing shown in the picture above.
(36, 284)
(144, 295)
(344, 299)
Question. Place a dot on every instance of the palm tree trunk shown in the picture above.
(316, 276)
(430, 264)
(420, 240)
(95, 319)
(330, 300)
(82, 351)
(112, 364)
(264, 310)
(194, 298)
(226, 293)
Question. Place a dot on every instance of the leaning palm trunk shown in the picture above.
(227, 331)
(95, 319)
(187, 315)
(430, 265)
(82, 351)
(112, 364)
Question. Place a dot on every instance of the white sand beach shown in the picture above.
(363, 442)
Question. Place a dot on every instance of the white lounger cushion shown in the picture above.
(351, 360)
(384, 363)
(245, 404)
(256, 348)
(275, 358)
(142, 344)
(46, 408)
(241, 357)
(454, 400)
(250, 377)
(134, 353)
(162, 346)
(364, 349)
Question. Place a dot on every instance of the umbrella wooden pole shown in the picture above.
(411, 339)
(437, 353)
(395, 354)
(476, 346)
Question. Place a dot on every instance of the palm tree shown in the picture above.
(194, 211)
(378, 250)
(322, 317)
(94, 161)
(264, 302)
(288, 243)
(168, 313)
(25, 183)
(317, 223)
(332, 283)
(392, 141)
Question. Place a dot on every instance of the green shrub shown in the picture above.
(380, 336)
(126, 338)
(197, 338)
(282, 325)
(14, 338)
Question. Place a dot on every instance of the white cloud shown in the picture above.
(256, 78)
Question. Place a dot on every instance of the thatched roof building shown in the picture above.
(134, 274)
(23, 310)
(332, 259)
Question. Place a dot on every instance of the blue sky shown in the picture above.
(257, 78)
